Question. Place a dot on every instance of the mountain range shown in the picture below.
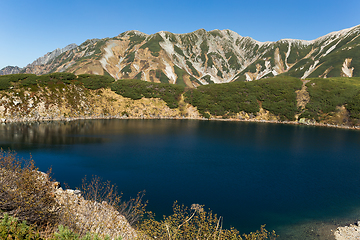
(202, 57)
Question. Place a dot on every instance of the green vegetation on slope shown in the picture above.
(232, 60)
(327, 94)
(298, 52)
(276, 95)
(180, 76)
(161, 76)
(127, 69)
(130, 57)
(26, 80)
(153, 45)
(94, 82)
(207, 78)
(135, 38)
(137, 89)
(4, 82)
(335, 60)
(179, 51)
(89, 81)
(193, 70)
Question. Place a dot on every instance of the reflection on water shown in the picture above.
(21, 135)
(25, 135)
(249, 173)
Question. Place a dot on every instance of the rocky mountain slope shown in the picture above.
(10, 70)
(202, 57)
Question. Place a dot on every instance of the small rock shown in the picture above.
(56, 185)
(16, 102)
(77, 192)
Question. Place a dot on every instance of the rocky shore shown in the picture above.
(94, 217)
(348, 232)
(91, 216)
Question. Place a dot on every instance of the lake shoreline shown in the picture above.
(65, 119)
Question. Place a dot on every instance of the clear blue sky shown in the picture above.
(30, 29)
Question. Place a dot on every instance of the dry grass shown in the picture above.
(26, 193)
(100, 210)
(195, 223)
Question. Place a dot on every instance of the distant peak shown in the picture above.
(216, 32)
(70, 46)
(200, 31)
(340, 32)
(134, 32)
(51, 55)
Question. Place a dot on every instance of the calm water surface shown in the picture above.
(249, 173)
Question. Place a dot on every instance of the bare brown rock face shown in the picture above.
(10, 70)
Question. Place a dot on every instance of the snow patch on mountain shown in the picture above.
(118, 65)
(248, 78)
(329, 50)
(109, 54)
(287, 55)
(167, 45)
(169, 72)
(310, 70)
(136, 66)
(347, 71)
(266, 71)
(337, 34)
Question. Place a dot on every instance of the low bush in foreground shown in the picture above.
(25, 192)
(11, 228)
(65, 233)
(195, 223)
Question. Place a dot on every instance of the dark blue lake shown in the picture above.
(249, 173)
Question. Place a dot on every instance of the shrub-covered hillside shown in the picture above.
(136, 89)
(283, 98)
(327, 96)
(276, 95)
